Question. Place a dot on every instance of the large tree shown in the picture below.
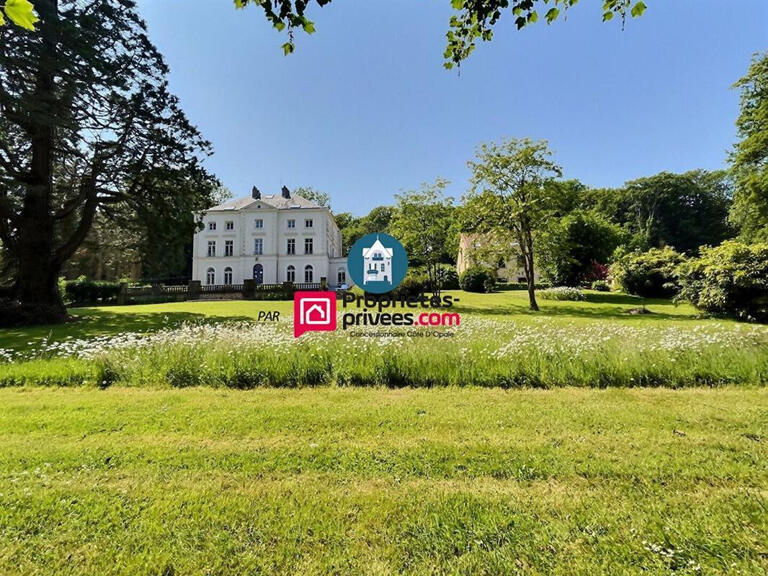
(512, 194)
(684, 211)
(749, 158)
(424, 221)
(87, 125)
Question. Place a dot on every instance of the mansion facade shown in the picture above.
(270, 239)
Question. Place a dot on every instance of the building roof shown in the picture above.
(273, 201)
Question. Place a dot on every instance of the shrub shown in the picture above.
(84, 291)
(448, 277)
(651, 274)
(477, 279)
(562, 293)
(600, 286)
(728, 280)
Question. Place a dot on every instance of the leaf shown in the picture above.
(457, 4)
(552, 15)
(607, 16)
(287, 48)
(2, 19)
(22, 13)
(638, 9)
(309, 27)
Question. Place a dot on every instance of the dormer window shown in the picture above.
(212, 226)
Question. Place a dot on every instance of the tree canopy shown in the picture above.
(749, 159)
(88, 128)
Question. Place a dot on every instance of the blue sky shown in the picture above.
(364, 108)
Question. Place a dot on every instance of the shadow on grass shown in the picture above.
(88, 323)
(597, 306)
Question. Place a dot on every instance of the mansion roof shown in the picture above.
(274, 201)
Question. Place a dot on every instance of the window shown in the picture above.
(211, 247)
(258, 223)
(212, 226)
(308, 223)
(258, 246)
(341, 276)
(291, 248)
(291, 223)
(382, 269)
(290, 274)
(308, 274)
(210, 276)
(229, 247)
(228, 275)
(229, 225)
(307, 245)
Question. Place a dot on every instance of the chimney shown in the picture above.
(255, 194)
(286, 192)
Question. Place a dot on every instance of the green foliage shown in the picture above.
(512, 195)
(600, 286)
(651, 274)
(319, 198)
(84, 291)
(749, 158)
(353, 228)
(20, 12)
(728, 280)
(684, 211)
(477, 279)
(423, 220)
(473, 19)
(569, 246)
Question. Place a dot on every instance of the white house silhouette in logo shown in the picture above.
(377, 263)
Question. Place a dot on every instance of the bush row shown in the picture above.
(726, 280)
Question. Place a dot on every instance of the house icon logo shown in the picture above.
(313, 311)
(377, 263)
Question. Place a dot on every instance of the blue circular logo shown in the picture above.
(377, 263)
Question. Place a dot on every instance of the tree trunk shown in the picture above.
(528, 265)
(35, 252)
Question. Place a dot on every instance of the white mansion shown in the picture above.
(271, 239)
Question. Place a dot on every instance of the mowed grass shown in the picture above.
(109, 320)
(378, 481)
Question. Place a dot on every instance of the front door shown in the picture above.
(258, 273)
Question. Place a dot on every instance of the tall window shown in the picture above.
(229, 247)
(341, 277)
(258, 223)
(308, 223)
(211, 226)
(229, 225)
(290, 274)
(291, 248)
(210, 276)
(291, 223)
(308, 274)
(258, 246)
(307, 245)
(211, 247)
(227, 275)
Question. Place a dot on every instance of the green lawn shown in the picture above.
(95, 321)
(377, 481)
